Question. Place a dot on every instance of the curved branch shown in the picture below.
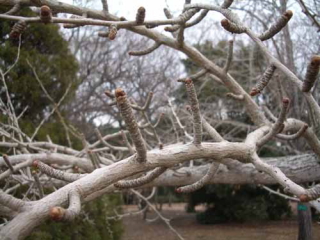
(155, 46)
(142, 180)
(213, 169)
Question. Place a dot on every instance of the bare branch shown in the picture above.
(166, 221)
(105, 6)
(125, 139)
(213, 169)
(38, 183)
(311, 16)
(11, 202)
(54, 173)
(298, 134)
(226, 3)
(229, 56)
(192, 23)
(142, 180)
(232, 27)
(211, 131)
(279, 124)
(146, 51)
(235, 96)
(7, 161)
(15, 9)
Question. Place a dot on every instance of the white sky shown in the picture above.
(128, 8)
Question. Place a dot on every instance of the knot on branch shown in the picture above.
(57, 213)
(311, 74)
(45, 14)
(232, 27)
(17, 29)
(141, 14)
(112, 32)
(120, 94)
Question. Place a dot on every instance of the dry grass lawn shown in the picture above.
(186, 225)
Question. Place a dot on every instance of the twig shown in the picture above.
(37, 181)
(298, 134)
(277, 26)
(142, 180)
(54, 173)
(264, 80)
(211, 131)
(280, 194)
(195, 109)
(15, 9)
(180, 36)
(279, 124)
(7, 161)
(146, 51)
(178, 121)
(213, 169)
(232, 27)
(126, 141)
(105, 6)
(195, 76)
(166, 221)
(226, 3)
(229, 56)
(311, 16)
(132, 125)
(235, 96)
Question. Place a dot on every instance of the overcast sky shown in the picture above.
(128, 8)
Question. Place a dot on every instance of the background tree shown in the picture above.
(44, 55)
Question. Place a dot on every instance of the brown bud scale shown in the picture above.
(112, 32)
(312, 73)
(17, 29)
(45, 14)
(141, 14)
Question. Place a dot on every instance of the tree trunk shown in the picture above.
(305, 222)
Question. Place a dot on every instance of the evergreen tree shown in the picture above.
(47, 51)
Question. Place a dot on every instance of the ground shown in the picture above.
(186, 225)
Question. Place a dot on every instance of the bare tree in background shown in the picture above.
(105, 64)
(103, 167)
